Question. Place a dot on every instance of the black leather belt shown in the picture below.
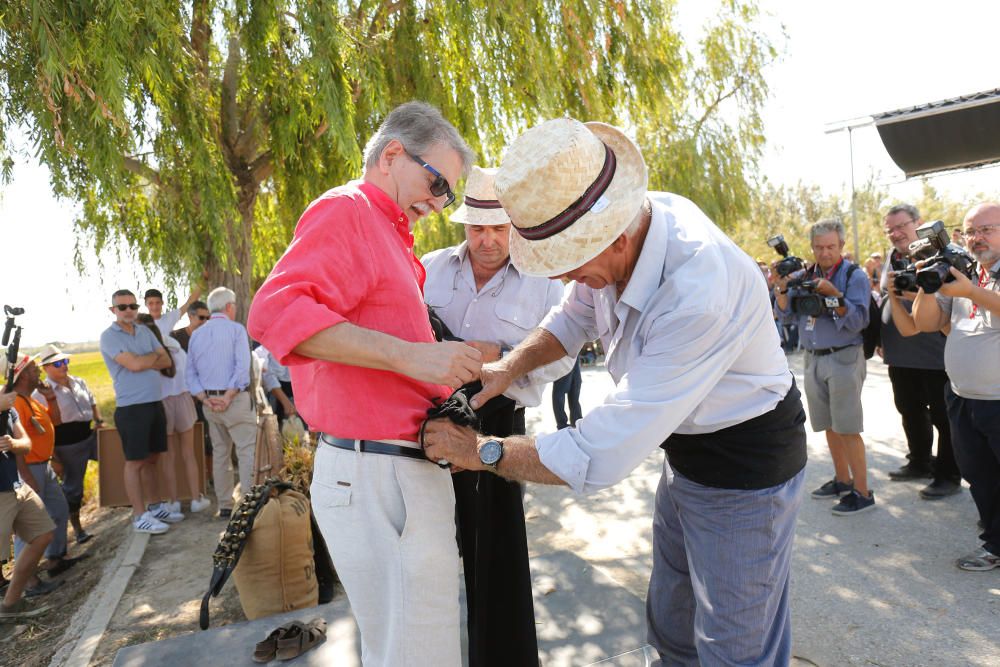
(219, 392)
(373, 447)
(828, 350)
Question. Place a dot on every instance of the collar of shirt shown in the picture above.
(217, 316)
(460, 258)
(648, 271)
(401, 224)
(117, 327)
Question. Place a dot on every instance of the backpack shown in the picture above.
(872, 334)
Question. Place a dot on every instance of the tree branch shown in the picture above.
(201, 33)
(140, 168)
(230, 110)
(715, 104)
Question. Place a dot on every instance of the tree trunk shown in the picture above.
(239, 274)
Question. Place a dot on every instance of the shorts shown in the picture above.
(833, 390)
(180, 412)
(143, 429)
(23, 514)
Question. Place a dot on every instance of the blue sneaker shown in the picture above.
(854, 503)
(833, 489)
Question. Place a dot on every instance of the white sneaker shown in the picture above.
(146, 523)
(174, 507)
(199, 504)
(162, 512)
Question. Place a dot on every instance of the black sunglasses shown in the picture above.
(203, 317)
(127, 306)
(439, 186)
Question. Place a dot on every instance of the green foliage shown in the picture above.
(194, 134)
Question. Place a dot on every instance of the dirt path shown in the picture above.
(32, 644)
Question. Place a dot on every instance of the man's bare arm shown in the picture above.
(539, 348)
(139, 362)
(902, 319)
(162, 359)
(448, 363)
(927, 314)
(520, 462)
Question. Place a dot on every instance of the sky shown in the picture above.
(841, 60)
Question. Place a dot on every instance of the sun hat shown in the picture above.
(480, 205)
(51, 354)
(570, 190)
(22, 362)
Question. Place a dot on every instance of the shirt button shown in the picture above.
(476, 300)
(467, 325)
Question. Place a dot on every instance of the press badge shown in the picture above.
(810, 323)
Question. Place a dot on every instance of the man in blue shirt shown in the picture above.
(834, 361)
(218, 376)
(133, 357)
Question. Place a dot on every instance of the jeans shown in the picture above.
(568, 386)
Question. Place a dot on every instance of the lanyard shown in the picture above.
(829, 276)
(984, 280)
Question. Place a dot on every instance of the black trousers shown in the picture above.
(919, 397)
(491, 535)
(975, 427)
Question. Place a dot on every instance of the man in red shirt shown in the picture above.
(343, 309)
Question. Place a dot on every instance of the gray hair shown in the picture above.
(219, 298)
(908, 209)
(825, 227)
(418, 126)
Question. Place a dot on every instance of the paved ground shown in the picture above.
(876, 589)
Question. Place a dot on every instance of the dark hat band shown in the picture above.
(482, 203)
(580, 207)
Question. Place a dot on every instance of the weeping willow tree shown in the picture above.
(194, 133)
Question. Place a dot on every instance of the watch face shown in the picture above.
(490, 452)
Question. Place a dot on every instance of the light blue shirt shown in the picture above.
(830, 330)
(691, 345)
(218, 356)
(131, 387)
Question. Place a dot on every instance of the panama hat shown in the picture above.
(570, 190)
(51, 354)
(22, 362)
(480, 205)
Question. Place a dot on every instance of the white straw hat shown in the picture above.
(570, 189)
(51, 354)
(480, 205)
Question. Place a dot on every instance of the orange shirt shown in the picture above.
(35, 420)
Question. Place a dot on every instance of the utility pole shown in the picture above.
(850, 125)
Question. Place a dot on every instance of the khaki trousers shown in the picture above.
(237, 425)
(389, 523)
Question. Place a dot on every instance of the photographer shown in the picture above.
(972, 360)
(916, 369)
(834, 359)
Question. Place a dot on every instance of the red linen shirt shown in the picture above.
(351, 260)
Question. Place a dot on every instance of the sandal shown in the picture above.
(265, 651)
(301, 638)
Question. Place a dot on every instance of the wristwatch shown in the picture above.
(490, 453)
(504, 349)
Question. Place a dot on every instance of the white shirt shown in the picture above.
(168, 321)
(75, 401)
(271, 373)
(691, 345)
(178, 383)
(505, 310)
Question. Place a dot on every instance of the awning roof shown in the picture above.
(958, 133)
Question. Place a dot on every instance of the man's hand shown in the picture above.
(496, 379)
(960, 287)
(444, 439)
(7, 400)
(47, 391)
(826, 288)
(6, 443)
(490, 351)
(449, 363)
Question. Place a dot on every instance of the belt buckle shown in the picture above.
(357, 446)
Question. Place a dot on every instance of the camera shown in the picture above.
(805, 300)
(789, 264)
(933, 238)
(934, 248)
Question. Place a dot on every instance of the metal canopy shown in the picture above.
(959, 133)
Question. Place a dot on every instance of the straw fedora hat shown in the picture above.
(480, 205)
(51, 353)
(570, 189)
(22, 362)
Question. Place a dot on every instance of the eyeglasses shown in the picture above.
(439, 186)
(896, 228)
(985, 230)
(203, 317)
(127, 306)
(62, 363)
